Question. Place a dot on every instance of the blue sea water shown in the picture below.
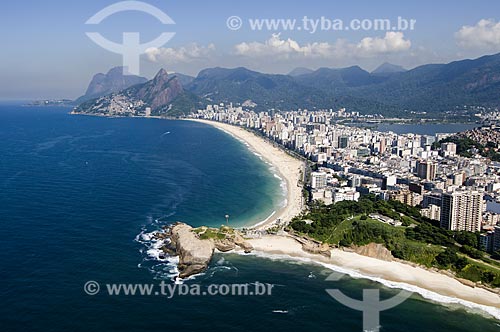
(77, 195)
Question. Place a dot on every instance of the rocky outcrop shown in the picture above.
(375, 250)
(224, 245)
(163, 95)
(194, 254)
(113, 81)
(240, 242)
(314, 248)
(311, 246)
(195, 247)
(466, 282)
(160, 91)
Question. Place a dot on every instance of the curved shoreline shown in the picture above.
(431, 285)
(288, 168)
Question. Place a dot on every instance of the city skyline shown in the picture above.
(303, 165)
(460, 193)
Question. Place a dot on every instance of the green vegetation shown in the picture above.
(435, 89)
(465, 146)
(206, 233)
(182, 105)
(348, 223)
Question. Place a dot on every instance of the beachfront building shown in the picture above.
(403, 167)
(462, 210)
(322, 195)
(318, 180)
(344, 194)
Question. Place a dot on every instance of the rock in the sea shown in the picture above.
(194, 254)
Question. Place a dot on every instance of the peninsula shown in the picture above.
(372, 261)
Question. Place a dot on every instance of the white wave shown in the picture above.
(179, 280)
(158, 255)
(155, 260)
(280, 311)
(219, 268)
(144, 236)
(427, 294)
(265, 220)
(284, 203)
(164, 270)
(160, 264)
(283, 186)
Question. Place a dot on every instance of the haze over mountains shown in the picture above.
(388, 90)
(388, 68)
(113, 81)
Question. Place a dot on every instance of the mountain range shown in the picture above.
(113, 81)
(388, 90)
(388, 68)
(163, 95)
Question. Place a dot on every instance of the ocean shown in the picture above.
(79, 196)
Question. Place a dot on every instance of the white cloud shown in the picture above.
(182, 54)
(485, 34)
(392, 42)
(277, 46)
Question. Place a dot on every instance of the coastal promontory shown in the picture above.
(195, 246)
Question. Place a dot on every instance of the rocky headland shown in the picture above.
(196, 246)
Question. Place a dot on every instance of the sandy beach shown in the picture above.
(288, 168)
(430, 284)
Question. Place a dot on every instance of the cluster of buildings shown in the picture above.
(487, 115)
(463, 194)
(118, 105)
(485, 135)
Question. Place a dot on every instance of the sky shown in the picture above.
(47, 54)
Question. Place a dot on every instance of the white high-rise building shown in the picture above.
(449, 149)
(318, 180)
(344, 194)
(462, 210)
